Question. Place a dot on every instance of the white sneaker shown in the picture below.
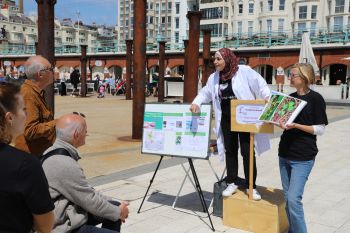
(256, 195)
(231, 189)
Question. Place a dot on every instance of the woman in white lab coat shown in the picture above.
(233, 81)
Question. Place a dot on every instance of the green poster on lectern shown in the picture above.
(171, 129)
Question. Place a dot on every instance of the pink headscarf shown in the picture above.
(231, 64)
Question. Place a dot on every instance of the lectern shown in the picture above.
(241, 211)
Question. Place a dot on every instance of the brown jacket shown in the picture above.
(39, 133)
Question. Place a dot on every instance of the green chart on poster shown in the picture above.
(171, 129)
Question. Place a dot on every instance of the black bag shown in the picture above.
(219, 187)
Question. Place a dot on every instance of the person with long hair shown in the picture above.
(233, 81)
(25, 202)
(298, 148)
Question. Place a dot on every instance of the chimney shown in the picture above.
(20, 6)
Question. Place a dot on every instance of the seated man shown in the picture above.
(78, 207)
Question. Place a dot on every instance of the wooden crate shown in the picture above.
(265, 216)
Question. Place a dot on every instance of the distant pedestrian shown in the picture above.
(75, 80)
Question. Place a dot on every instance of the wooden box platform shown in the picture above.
(265, 216)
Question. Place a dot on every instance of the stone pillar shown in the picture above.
(161, 71)
(128, 69)
(206, 55)
(46, 40)
(139, 68)
(191, 81)
(83, 60)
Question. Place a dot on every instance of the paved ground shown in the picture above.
(118, 169)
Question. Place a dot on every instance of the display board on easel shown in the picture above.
(171, 129)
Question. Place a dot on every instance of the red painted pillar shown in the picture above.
(128, 69)
(206, 56)
(161, 71)
(185, 66)
(46, 40)
(191, 81)
(83, 60)
(139, 71)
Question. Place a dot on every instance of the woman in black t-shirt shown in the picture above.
(297, 148)
(25, 202)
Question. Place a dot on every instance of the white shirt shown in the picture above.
(247, 84)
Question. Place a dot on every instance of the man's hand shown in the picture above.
(124, 211)
(195, 108)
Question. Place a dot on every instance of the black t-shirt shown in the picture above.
(23, 190)
(226, 95)
(298, 145)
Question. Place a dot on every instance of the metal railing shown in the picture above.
(269, 39)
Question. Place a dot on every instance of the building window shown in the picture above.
(302, 12)
(169, 20)
(177, 22)
(212, 13)
(313, 29)
(269, 25)
(251, 8)
(261, 6)
(301, 28)
(270, 5)
(239, 28)
(280, 26)
(177, 8)
(240, 8)
(163, 19)
(338, 24)
(216, 29)
(282, 4)
(339, 6)
(169, 5)
(151, 6)
(313, 12)
(151, 19)
(176, 37)
(250, 28)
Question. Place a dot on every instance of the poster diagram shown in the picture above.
(171, 129)
(282, 108)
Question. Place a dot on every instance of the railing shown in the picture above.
(319, 36)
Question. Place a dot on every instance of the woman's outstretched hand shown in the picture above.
(195, 108)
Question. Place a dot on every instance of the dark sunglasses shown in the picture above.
(48, 69)
(80, 114)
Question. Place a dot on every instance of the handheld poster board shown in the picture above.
(171, 129)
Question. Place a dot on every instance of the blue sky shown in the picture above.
(99, 11)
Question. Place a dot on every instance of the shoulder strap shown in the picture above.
(58, 151)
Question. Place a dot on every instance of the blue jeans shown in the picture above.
(294, 175)
(107, 225)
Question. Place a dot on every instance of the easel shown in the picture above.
(189, 177)
(196, 184)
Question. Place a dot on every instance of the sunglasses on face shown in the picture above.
(79, 114)
(51, 69)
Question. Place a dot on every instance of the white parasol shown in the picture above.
(307, 54)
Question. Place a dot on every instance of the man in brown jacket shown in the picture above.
(39, 132)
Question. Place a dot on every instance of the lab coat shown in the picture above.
(247, 84)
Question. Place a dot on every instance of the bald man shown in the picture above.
(39, 132)
(78, 207)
